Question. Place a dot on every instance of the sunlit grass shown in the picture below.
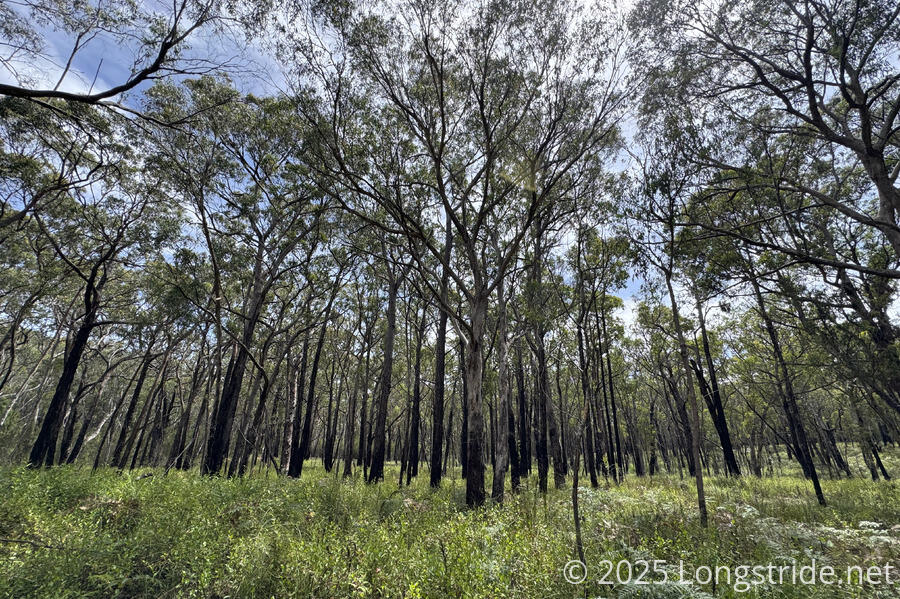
(70, 533)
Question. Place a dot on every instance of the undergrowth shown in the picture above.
(68, 532)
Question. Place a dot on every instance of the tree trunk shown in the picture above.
(605, 415)
(349, 440)
(524, 433)
(464, 407)
(330, 415)
(376, 469)
(541, 432)
(412, 457)
(361, 458)
(501, 451)
(692, 403)
(222, 420)
(584, 378)
(440, 352)
(714, 400)
(474, 371)
(789, 399)
(620, 462)
(179, 444)
(44, 449)
(306, 437)
(293, 469)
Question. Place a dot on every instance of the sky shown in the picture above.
(104, 62)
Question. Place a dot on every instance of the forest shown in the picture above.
(437, 298)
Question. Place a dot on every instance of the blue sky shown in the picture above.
(103, 62)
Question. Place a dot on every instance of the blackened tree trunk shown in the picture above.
(464, 429)
(376, 469)
(412, 469)
(330, 420)
(548, 432)
(474, 373)
(789, 399)
(361, 457)
(718, 418)
(515, 467)
(524, 432)
(349, 432)
(448, 446)
(250, 437)
(561, 421)
(605, 415)
(179, 444)
(403, 447)
(70, 418)
(440, 351)
(44, 449)
(714, 399)
(588, 403)
(293, 457)
(502, 441)
(222, 420)
(82, 434)
(692, 402)
(118, 455)
(607, 344)
(362, 386)
(136, 439)
(542, 396)
(306, 436)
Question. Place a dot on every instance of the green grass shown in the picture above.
(70, 533)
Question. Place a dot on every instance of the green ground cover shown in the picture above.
(70, 533)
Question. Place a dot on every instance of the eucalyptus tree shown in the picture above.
(258, 210)
(654, 358)
(487, 98)
(540, 313)
(98, 232)
(707, 284)
(282, 332)
(821, 76)
(655, 212)
(160, 323)
(711, 391)
(590, 433)
(366, 307)
(301, 437)
(154, 35)
(728, 259)
(790, 122)
(436, 463)
(846, 308)
(600, 259)
(49, 166)
(415, 419)
(786, 385)
(837, 272)
(394, 273)
(781, 348)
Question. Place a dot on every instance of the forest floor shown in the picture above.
(70, 533)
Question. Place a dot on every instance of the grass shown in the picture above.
(70, 533)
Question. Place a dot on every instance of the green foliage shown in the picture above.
(112, 534)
